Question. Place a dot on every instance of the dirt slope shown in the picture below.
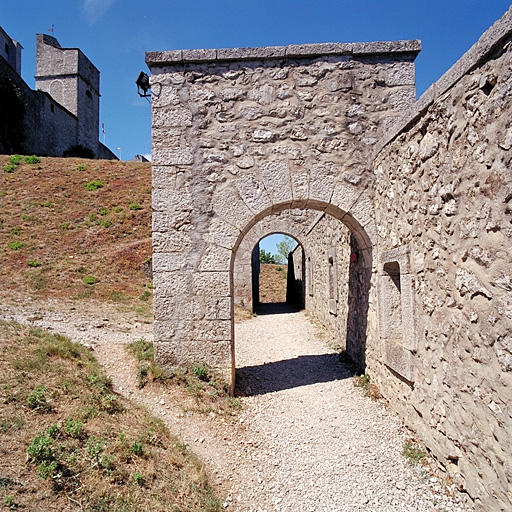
(273, 283)
(57, 233)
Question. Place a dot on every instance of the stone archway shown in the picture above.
(239, 135)
(292, 222)
(357, 314)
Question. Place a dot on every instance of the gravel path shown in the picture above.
(306, 439)
(322, 445)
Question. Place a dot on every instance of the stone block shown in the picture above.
(321, 182)
(250, 53)
(363, 210)
(215, 258)
(172, 156)
(169, 200)
(253, 193)
(222, 234)
(169, 262)
(159, 59)
(276, 179)
(398, 359)
(164, 176)
(192, 307)
(400, 74)
(164, 330)
(314, 50)
(299, 178)
(199, 55)
(343, 198)
(172, 283)
(382, 47)
(172, 241)
(211, 284)
(171, 117)
(175, 220)
(228, 206)
(163, 94)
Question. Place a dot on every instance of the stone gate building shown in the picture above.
(401, 208)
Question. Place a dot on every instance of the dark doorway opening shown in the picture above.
(278, 280)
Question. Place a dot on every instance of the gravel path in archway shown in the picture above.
(320, 444)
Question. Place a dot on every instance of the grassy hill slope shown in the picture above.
(68, 442)
(75, 228)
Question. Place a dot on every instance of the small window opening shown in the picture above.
(6, 48)
(393, 297)
(88, 94)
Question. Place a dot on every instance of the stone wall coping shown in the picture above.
(173, 57)
(488, 43)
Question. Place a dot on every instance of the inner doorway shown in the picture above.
(276, 283)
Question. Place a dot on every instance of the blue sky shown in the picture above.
(114, 34)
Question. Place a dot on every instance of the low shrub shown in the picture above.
(90, 280)
(32, 159)
(16, 245)
(93, 185)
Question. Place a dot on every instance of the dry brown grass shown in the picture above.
(55, 234)
(68, 442)
(196, 388)
(273, 282)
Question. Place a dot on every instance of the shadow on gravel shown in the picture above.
(290, 373)
(275, 308)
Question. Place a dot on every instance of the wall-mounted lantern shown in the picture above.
(143, 85)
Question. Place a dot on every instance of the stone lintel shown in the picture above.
(173, 57)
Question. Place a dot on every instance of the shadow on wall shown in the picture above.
(359, 282)
(296, 286)
(290, 373)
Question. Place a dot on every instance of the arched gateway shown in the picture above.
(242, 135)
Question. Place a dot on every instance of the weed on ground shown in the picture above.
(370, 390)
(207, 393)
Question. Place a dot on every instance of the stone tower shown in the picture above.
(73, 81)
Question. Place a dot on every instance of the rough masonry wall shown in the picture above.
(327, 262)
(241, 134)
(49, 128)
(444, 206)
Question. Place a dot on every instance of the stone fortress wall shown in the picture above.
(63, 111)
(239, 135)
(443, 190)
(407, 208)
